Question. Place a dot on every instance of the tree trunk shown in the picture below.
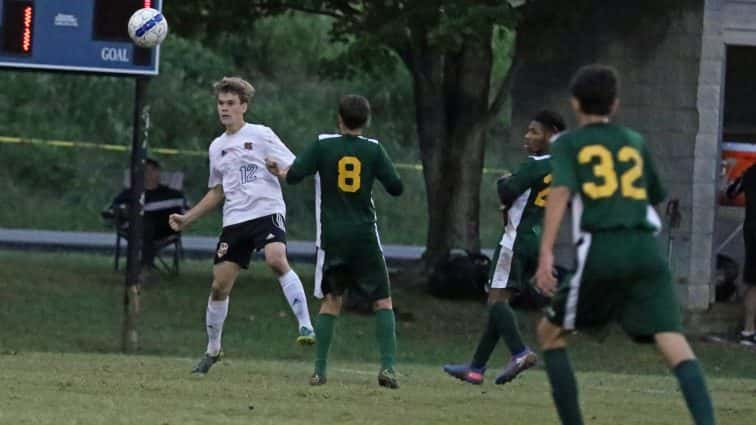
(452, 99)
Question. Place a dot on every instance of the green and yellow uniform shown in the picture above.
(349, 249)
(524, 193)
(621, 275)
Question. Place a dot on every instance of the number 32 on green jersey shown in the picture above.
(604, 169)
(350, 168)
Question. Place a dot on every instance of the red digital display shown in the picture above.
(88, 36)
(26, 39)
(18, 26)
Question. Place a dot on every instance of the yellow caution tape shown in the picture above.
(170, 151)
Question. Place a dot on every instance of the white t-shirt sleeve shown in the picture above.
(277, 150)
(216, 178)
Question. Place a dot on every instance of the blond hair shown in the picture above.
(235, 85)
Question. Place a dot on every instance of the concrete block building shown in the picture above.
(688, 84)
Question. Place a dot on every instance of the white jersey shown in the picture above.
(237, 162)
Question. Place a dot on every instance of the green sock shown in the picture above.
(324, 334)
(693, 387)
(563, 386)
(487, 343)
(506, 323)
(385, 333)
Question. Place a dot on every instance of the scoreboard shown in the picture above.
(74, 35)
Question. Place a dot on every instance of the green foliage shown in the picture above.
(182, 107)
(460, 20)
(295, 97)
(205, 19)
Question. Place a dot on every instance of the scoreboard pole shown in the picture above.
(134, 273)
(91, 36)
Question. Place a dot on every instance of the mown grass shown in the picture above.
(61, 316)
(47, 388)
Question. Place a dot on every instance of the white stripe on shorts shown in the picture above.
(500, 277)
(279, 221)
(319, 262)
(570, 312)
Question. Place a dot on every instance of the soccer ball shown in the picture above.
(147, 27)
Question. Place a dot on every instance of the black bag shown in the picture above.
(726, 274)
(462, 274)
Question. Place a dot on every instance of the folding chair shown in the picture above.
(174, 180)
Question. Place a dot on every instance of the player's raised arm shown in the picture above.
(509, 188)
(512, 186)
(306, 164)
(386, 173)
(277, 153)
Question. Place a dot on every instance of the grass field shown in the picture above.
(45, 388)
(59, 363)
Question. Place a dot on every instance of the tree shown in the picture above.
(447, 46)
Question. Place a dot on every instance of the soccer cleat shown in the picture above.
(317, 379)
(747, 339)
(516, 366)
(206, 363)
(306, 336)
(466, 372)
(387, 378)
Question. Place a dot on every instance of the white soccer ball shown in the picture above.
(147, 27)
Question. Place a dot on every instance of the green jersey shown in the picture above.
(346, 167)
(524, 193)
(610, 171)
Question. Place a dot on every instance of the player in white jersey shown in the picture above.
(253, 212)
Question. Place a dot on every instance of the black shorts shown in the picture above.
(749, 266)
(238, 241)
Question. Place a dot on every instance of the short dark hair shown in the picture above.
(596, 88)
(153, 162)
(550, 120)
(354, 111)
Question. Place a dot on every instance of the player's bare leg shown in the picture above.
(329, 311)
(224, 276)
(291, 285)
(559, 370)
(748, 335)
(681, 360)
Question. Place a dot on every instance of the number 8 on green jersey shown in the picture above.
(349, 250)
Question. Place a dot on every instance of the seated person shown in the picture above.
(160, 201)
